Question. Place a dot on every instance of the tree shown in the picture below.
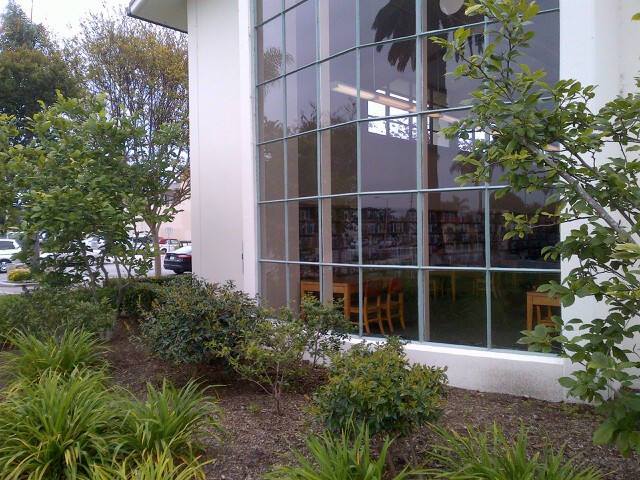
(31, 67)
(71, 182)
(560, 144)
(142, 71)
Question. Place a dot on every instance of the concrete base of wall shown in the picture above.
(523, 374)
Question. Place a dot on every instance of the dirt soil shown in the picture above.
(255, 438)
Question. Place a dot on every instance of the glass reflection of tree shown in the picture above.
(397, 19)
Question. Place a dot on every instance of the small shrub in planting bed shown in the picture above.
(375, 385)
(491, 455)
(61, 419)
(190, 313)
(20, 275)
(48, 310)
(345, 456)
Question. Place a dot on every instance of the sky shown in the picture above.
(62, 17)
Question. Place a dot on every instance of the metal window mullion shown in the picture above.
(256, 153)
(420, 227)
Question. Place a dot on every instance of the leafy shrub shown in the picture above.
(490, 455)
(137, 295)
(34, 357)
(180, 325)
(46, 311)
(138, 298)
(20, 275)
(168, 420)
(375, 385)
(344, 457)
(266, 351)
(57, 427)
(327, 327)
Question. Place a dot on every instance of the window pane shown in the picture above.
(302, 166)
(337, 26)
(388, 79)
(338, 89)
(457, 309)
(304, 244)
(267, 9)
(302, 103)
(270, 50)
(517, 306)
(344, 230)
(274, 284)
(387, 304)
(270, 110)
(339, 160)
(389, 154)
(302, 276)
(384, 19)
(300, 24)
(272, 230)
(441, 88)
(455, 226)
(521, 252)
(545, 47)
(271, 171)
(389, 229)
(438, 168)
(439, 15)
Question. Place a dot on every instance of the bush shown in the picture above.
(61, 420)
(74, 350)
(157, 465)
(20, 275)
(57, 427)
(138, 295)
(490, 455)
(180, 325)
(375, 385)
(345, 457)
(267, 350)
(46, 311)
(327, 327)
(169, 419)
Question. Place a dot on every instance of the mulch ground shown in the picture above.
(255, 438)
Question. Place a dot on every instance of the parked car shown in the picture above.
(179, 260)
(8, 249)
(169, 244)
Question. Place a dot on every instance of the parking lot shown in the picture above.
(110, 267)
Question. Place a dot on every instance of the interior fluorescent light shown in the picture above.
(445, 117)
(373, 97)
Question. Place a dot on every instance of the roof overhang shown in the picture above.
(168, 13)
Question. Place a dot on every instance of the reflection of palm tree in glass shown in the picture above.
(273, 65)
(456, 204)
(397, 19)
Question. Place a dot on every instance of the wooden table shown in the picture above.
(538, 299)
(345, 288)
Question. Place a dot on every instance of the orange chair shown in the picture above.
(371, 307)
(394, 305)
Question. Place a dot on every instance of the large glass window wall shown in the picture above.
(357, 197)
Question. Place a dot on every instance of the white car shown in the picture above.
(8, 249)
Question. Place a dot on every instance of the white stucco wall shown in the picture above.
(223, 180)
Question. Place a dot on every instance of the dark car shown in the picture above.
(179, 260)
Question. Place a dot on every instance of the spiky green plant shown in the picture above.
(159, 465)
(347, 456)
(75, 349)
(169, 419)
(489, 455)
(56, 427)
